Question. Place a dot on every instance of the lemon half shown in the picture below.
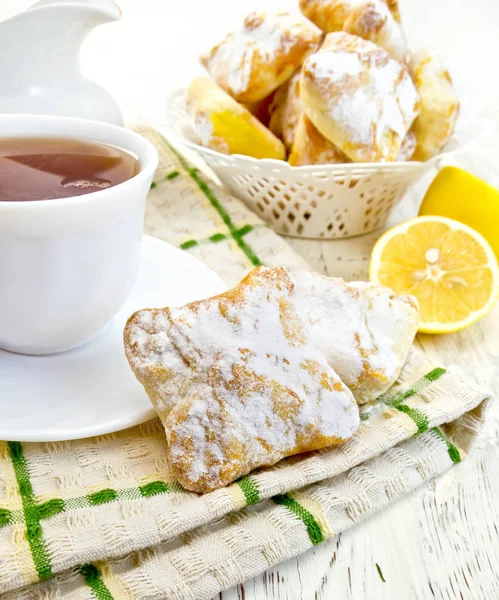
(449, 267)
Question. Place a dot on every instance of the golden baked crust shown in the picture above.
(393, 5)
(311, 148)
(222, 124)
(359, 98)
(260, 110)
(237, 382)
(373, 21)
(251, 63)
(330, 15)
(408, 147)
(439, 104)
(285, 110)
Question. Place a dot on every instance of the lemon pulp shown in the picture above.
(447, 266)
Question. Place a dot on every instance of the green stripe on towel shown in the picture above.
(224, 215)
(219, 237)
(50, 508)
(168, 177)
(454, 453)
(109, 495)
(5, 517)
(93, 579)
(54, 506)
(419, 418)
(313, 528)
(250, 490)
(153, 488)
(398, 400)
(34, 531)
(417, 387)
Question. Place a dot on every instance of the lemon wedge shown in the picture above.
(449, 267)
(459, 195)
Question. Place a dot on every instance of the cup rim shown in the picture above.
(148, 158)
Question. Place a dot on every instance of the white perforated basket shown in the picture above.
(322, 201)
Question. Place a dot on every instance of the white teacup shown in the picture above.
(67, 265)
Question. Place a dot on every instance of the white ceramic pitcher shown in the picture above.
(39, 70)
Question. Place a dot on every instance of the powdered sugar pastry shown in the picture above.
(249, 386)
(368, 98)
(364, 329)
(252, 62)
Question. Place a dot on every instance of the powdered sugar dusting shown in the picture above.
(285, 110)
(364, 330)
(357, 113)
(335, 66)
(399, 99)
(374, 21)
(392, 36)
(408, 99)
(204, 129)
(371, 96)
(407, 148)
(255, 388)
(237, 60)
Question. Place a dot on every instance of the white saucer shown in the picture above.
(91, 390)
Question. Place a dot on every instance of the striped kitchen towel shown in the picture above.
(103, 518)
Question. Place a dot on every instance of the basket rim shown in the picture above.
(273, 163)
(171, 129)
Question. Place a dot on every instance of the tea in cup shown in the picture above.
(72, 201)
